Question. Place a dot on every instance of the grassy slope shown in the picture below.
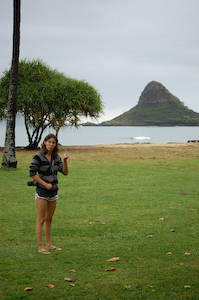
(129, 189)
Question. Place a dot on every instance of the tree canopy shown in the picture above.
(47, 98)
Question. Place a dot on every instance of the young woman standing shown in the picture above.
(47, 163)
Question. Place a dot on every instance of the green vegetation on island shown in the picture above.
(156, 107)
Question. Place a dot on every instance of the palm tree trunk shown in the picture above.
(9, 159)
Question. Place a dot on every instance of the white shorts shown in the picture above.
(49, 199)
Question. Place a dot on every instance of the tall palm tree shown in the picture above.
(9, 158)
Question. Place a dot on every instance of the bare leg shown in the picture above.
(51, 206)
(41, 212)
(48, 220)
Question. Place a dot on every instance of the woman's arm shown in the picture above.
(65, 165)
(42, 182)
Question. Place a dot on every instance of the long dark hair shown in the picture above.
(56, 149)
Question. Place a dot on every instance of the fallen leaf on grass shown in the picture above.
(113, 259)
(182, 193)
(150, 235)
(187, 253)
(187, 286)
(73, 271)
(113, 269)
(101, 222)
(191, 209)
(28, 289)
(69, 279)
(72, 284)
(169, 253)
(139, 258)
(128, 286)
(150, 286)
(50, 286)
(172, 230)
(161, 219)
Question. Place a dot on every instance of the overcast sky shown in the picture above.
(118, 46)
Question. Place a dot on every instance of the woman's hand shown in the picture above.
(42, 182)
(66, 155)
(48, 186)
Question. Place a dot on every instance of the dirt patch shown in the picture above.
(135, 145)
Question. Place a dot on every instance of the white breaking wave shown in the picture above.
(141, 138)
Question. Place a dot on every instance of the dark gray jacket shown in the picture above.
(46, 171)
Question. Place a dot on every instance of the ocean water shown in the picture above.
(95, 135)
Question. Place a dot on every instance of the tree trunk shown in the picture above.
(9, 159)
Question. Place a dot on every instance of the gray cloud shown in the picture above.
(118, 46)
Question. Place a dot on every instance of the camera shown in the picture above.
(32, 183)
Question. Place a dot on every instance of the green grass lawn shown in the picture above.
(111, 204)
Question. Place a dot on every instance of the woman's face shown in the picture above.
(50, 144)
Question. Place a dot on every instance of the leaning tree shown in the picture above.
(47, 98)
